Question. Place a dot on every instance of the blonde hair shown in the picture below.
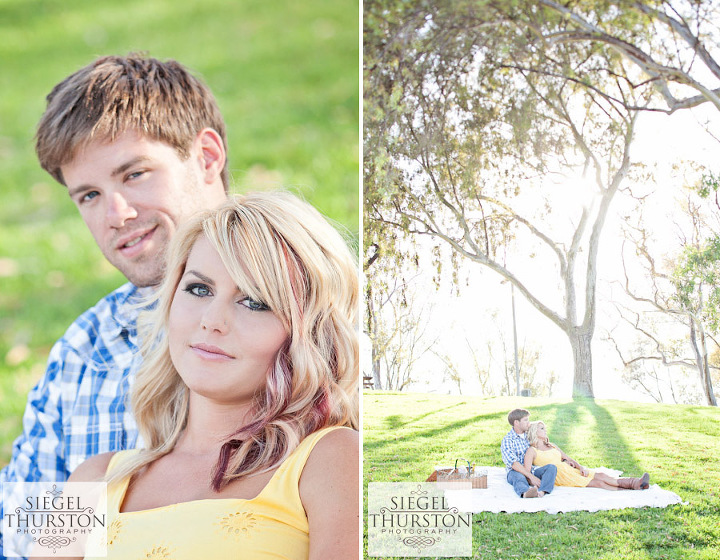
(531, 434)
(281, 251)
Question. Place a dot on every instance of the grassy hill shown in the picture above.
(405, 435)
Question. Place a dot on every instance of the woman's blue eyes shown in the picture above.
(202, 290)
(199, 290)
(254, 305)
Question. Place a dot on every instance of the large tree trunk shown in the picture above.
(707, 384)
(372, 328)
(581, 342)
(377, 380)
(701, 358)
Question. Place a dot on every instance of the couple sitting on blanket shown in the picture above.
(534, 465)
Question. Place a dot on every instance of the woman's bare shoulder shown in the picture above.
(329, 491)
(338, 449)
(338, 440)
(92, 469)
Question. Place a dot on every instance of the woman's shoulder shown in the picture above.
(337, 437)
(330, 477)
(93, 468)
(339, 448)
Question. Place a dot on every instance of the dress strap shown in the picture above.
(301, 453)
(116, 491)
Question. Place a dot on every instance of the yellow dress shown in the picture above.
(566, 475)
(271, 525)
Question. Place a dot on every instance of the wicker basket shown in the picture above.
(478, 477)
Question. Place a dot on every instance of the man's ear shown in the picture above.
(210, 151)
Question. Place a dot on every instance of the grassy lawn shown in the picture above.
(405, 435)
(286, 76)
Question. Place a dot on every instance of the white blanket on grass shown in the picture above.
(500, 496)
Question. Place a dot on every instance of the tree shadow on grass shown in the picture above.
(441, 431)
(612, 448)
(617, 453)
(394, 422)
(397, 421)
(560, 419)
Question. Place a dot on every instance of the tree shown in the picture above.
(501, 363)
(483, 373)
(671, 44)
(397, 327)
(652, 348)
(697, 292)
(462, 143)
(452, 372)
(684, 287)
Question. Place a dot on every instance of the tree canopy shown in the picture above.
(502, 130)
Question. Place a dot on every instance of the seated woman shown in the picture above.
(569, 472)
(247, 400)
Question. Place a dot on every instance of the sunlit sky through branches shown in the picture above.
(674, 151)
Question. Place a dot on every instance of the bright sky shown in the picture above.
(661, 140)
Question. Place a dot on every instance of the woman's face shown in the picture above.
(222, 342)
(541, 433)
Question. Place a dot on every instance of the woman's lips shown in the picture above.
(210, 352)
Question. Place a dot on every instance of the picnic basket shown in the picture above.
(478, 477)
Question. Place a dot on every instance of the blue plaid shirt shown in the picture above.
(79, 409)
(513, 448)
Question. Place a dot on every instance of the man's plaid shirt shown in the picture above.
(513, 448)
(79, 408)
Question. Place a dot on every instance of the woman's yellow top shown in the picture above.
(566, 475)
(271, 525)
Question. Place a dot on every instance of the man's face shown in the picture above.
(132, 194)
(521, 426)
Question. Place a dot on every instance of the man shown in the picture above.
(140, 145)
(527, 483)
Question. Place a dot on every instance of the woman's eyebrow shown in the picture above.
(200, 276)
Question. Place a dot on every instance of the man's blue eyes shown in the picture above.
(201, 290)
(87, 197)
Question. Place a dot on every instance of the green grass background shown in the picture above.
(406, 435)
(286, 76)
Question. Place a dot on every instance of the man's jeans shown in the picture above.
(521, 485)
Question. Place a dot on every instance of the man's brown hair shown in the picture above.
(517, 414)
(116, 94)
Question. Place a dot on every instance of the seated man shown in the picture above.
(527, 483)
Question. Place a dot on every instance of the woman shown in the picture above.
(569, 472)
(246, 395)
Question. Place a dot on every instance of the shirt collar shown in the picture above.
(124, 306)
